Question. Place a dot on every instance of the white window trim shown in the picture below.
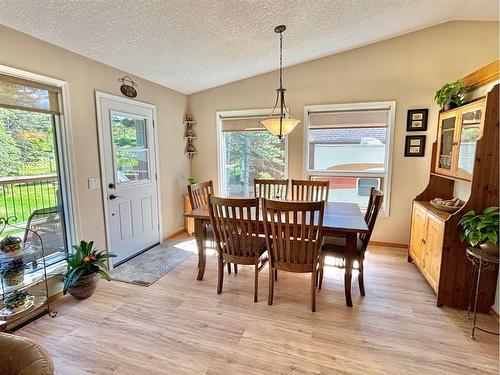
(65, 148)
(391, 106)
(221, 157)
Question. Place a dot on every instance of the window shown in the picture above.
(248, 151)
(32, 189)
(350, 146)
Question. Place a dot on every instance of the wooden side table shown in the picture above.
(481, 261)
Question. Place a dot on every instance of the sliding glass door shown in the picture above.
(32, 194)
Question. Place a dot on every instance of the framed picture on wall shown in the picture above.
(417, 120)
(415, 145)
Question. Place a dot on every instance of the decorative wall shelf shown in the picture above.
(189, 136)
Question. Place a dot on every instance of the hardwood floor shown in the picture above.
(181, 326)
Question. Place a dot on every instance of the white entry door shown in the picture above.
(127, 146)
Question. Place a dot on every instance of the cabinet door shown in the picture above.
(469, 131)
(433, 248)
(418, 227)
(446, 142)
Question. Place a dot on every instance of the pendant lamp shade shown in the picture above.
(284, 123)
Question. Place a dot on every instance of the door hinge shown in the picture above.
(156, 176)
(153, 123)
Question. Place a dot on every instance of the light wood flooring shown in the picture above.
(181, 326)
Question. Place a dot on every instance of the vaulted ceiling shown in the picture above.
(193, 45)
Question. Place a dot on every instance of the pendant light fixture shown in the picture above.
(283, 124)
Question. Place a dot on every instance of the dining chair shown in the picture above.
(336, 246)
(198, 193)
(308, 190)
(270, 189)
(293, 233)
(198, 197)
(236, 229)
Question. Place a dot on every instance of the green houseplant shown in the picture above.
(481, 229)
(85, 267)
(451, 95)
(13, 272)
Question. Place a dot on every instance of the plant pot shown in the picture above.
(489, 248)
(11, 248)
(14, 278)
(449, 106)
(85, 286)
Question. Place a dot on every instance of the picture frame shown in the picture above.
(415, 146)
(416, 120)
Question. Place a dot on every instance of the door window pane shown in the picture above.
(250, 155)
(130, 149)
(469, 133)
(446, 148)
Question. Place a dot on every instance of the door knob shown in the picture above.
(112, 196)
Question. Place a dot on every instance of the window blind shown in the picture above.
(18, 93)
(349, 119)
(246, 123)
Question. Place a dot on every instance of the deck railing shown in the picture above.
(20, 196)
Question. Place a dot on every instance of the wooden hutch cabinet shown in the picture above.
(458, 132)
(465, 152)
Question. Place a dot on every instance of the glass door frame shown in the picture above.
(444, 116)
(64, 150)
(474, 106)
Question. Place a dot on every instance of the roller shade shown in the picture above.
(17, 93)
(247, 123)
(349, 119)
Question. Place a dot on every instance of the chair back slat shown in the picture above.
(374, 204)
(236, 225)
(293, 232)
(198, 193)
(270, 189)
(308, 190)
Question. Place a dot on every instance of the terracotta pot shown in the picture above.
(85, 286)
(489, 248)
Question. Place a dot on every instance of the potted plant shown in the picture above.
(13, 272)
(451, 95)
(481, 229)
(10, 244)
(85, 267)
(191, 181)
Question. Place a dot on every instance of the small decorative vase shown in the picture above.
(14, 278)
(489, 248)
(85, 286)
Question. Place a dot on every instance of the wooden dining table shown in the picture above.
(340, 219)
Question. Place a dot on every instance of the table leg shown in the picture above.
(350, 251)
(200, 235)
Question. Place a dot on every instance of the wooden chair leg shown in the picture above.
(220, 274)
(313, 290)
(321, 267)
(275, 274)
(361, 280)
(270, 293)
(256, 283)
(228, 267)
(235, 268)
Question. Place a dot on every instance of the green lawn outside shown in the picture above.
(22, 199)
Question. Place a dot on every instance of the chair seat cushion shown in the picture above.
(337, 244)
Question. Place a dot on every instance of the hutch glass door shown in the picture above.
(470, 131)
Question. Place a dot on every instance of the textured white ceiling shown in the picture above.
(193, 45)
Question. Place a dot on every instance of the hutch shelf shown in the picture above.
(465, 152)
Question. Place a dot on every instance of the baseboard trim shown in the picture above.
(389, 244)
(173, 234)
(494, 314)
